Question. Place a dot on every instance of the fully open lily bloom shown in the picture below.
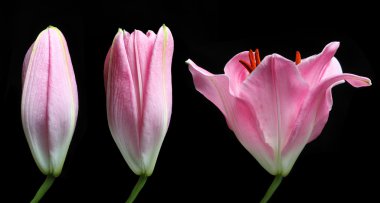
(137, 76)
(49, 106)
(275, 106)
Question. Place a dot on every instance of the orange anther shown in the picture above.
(252, 59)
(298, 57)
(257, 56)
(246, 65)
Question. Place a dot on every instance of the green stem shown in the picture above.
(272, 188)
(139, 185)
(43, 189)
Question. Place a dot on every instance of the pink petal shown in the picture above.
(122, 103)
(310, 122)
(239, 118)
(214, 87)
(126, 36)
(106, 68)
(245, 124)
(49, 100)
(323, 112)
(133, 58)
(315, 68)
(25, 64)
(139, 49)
(157, 92)
(323, 99)
(275, 92)
(151, 35)
(332, 68)
(34, 101)
(236, 72)
(62, 99)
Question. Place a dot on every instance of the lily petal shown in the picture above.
(235, 71)
(122, 103)
(325, 107)
(126, 36)
(246, 126)
(35, 87)
(315, 68)
(62, 100)
(239, 118)
(308, 126)
(157, 94)
(275, 91)
(25, 64)
(214, 87)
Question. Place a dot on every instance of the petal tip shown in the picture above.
(119, 32)
(358, 81)
(165, 27)
(53, 28)
(332, 46)
(364, 82)
(368, 81)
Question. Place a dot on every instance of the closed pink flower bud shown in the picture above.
(137, 76)
(49, 106)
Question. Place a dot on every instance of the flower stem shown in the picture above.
(272, 188)
(43, 189)
(139, 185)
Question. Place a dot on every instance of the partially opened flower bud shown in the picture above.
(137, 75)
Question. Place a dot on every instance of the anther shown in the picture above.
(254, 60)
(246, 65)
(298, 57)
(257, 56)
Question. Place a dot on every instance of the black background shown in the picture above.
(200, 160)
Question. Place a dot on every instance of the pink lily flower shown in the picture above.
(49, 106)
(137, 77)
(276, 106)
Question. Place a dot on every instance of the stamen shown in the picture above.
(246, 65)
(298, 57)
(257, 56)
(252, 59)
